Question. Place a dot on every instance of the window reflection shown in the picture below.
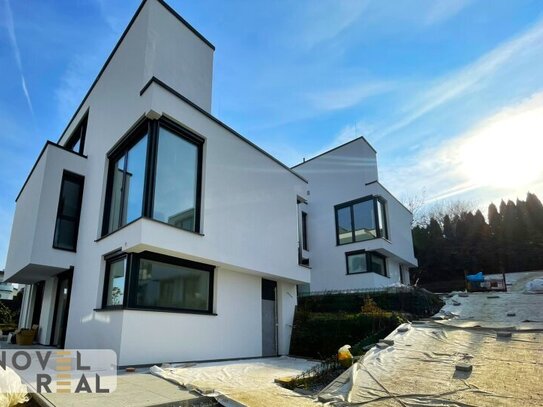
(176, 178)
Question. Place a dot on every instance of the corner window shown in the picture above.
(115, 281)
(151, 281)
(360, 220)
(76, 141)
(364, 262)
(68, 212)
(127, 184)
(155, 173)
(176, 180)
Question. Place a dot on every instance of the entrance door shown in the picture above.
(269, 318)
(62, 305)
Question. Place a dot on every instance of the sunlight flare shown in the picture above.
(507, 150)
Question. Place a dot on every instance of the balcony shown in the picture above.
(31, 256)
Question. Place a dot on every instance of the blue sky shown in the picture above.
(450, 93)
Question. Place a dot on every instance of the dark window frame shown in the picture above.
(79, 134)
(350, 205)
(112, 258)
(81, 180)
(305, 244)
(369, 268)
(132, 263)
(151, 128)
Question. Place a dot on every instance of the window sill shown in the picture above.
(366, 272)
(305, 266)
(168, 310)
(172, 226)
(364, 241)
(146, 218)
(65, 250)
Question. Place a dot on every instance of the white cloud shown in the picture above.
(75, 81)
(501, 153)
(337, 99)
(325, 20)
(469, 78)
(10, 25)
(441, 10)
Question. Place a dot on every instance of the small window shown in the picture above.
(304, 231)
(76, 141)
(363, 262)
(68, 212)
(115, 282)
(356, 263)
(360, 220)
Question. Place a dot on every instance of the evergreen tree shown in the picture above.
(460, 243)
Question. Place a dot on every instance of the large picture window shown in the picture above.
(366, 262)
(156, 174)
(155, 282)
(68, 212)
(172, 286)
(361, 220)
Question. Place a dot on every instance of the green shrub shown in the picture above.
(416, 302)
(320, 335)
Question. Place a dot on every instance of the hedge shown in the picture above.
(320, 335)
(416, 302)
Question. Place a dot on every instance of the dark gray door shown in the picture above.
(269, 318)
(62, 305)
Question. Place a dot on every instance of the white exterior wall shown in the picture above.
(168, 61)
(336, 177)
(242, 190)
(233, 332)
(31, 244)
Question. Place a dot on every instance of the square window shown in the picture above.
(357, 263)
(361, 219)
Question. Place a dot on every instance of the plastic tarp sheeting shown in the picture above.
(476, 278)
(242, 383)
(419, 368)
(535, 286)
(12, 390)
(488, 308)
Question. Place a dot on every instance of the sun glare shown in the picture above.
(507, 151)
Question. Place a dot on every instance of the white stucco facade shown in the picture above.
(349, 173)
(248, 215)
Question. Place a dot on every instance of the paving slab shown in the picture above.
(133, 390)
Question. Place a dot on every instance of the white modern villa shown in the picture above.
(154, 229)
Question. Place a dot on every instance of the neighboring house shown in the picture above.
(359, 234)
(7, 290)
(153, 229)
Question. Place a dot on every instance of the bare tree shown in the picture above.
(415, 204)
(423, 212)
